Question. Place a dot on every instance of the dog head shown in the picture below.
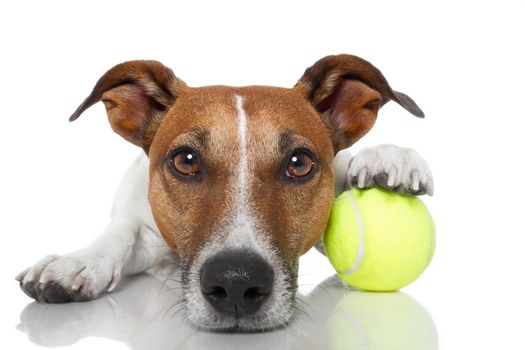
(241, 181)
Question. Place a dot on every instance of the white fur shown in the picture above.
(397, 168)
(241, 230)
(242, 131)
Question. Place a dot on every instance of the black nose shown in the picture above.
(236, 282)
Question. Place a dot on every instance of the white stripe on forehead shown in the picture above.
(241, 231)
(243, 147)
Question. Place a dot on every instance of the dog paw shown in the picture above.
(76, 277)
(395, 168)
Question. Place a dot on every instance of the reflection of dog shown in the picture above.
(239, 183)
(330, 315)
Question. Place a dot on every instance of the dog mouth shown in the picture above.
(238, 291)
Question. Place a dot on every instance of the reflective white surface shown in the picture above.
(462, 62)
(144, 314)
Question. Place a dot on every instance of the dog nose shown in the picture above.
(236, 283)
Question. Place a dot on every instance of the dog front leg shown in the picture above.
(130, 244)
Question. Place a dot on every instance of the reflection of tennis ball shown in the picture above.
(380, 321)
(378, 240)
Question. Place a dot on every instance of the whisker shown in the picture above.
(162, 286)
(168, 279)
(318, 286)
(185, 322)
(299, 309)
(326, 292)
(171, 289)
(174, 280)
(178, 302)
(177, 312)
(305, 303)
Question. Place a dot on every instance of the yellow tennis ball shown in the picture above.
(379, 240)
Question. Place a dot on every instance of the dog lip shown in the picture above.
(239, 328)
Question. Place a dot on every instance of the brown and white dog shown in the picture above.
(234, 185)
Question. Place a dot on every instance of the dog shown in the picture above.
(233, 185)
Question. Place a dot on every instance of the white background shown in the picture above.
(461, 61)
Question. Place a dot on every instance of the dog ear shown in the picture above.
(348, 91)
(136, 95)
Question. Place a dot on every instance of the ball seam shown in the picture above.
(360, 255)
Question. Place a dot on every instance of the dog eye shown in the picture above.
(186, 163)
(300, 165)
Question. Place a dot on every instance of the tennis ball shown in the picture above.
(380, 321)
(378, 240)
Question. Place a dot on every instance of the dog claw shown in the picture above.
(45, 278)
(392, 173)
(361, 178)
(114, 281)
(430, 187)
(77, 284)
(21, 275)
(415, 181)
